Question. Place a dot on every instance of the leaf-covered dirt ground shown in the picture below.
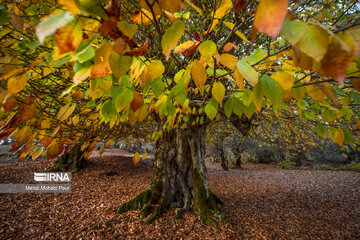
(262, 201)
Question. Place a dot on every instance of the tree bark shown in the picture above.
(179, 179)
(73, 160)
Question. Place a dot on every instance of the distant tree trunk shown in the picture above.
(179, 178)
(73, 160)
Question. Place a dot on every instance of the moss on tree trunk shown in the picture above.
(179, 179)
(73, 160)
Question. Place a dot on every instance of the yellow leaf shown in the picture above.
(23, 135)
(144, 156)
(62, 111)
(37, 152)
(337, 136)
(68, 112)
(240, 34)
(194, 7)
(270, 15)
(171, 37)
(184, 46)
(16, 84)
(84, 146)
(218, 91)
(198, 73)
(220, 12)
(207, 48)
(128, 29)
(285, 79)
(75, 120)
(93, 116)
(155, 69)
(109, 143)
(228, 60)
(54, 150)
(314, 92)
(136, 158)
(45, 124)
(101, 151)
(70, 5)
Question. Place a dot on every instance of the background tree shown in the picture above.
(177, 64)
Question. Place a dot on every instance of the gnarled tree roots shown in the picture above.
(179, 180)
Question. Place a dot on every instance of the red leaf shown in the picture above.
(137, 52)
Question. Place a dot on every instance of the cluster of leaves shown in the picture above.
(286, 164)
(97, 70)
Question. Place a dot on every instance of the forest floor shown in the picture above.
(262, 201)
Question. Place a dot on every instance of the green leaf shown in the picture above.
(228, 107)
(293, 31)
(4, 15)
(218, 91)
(207, 48)
(301, 105)
(321, 130)
(258, 95)
(36, 153)
(51, 24)
(211, 109)
(298, 92)
(179, 92)
(120, 64)
(86, 55)
(272, 90)
(158, 87)
(327, 115)
(124, 99)
(355, 97)
(310, 115)
(168, 109)
(348, 136)
(314, 42)
(171, 37)
(108, 111)
(247, 97)
(248, 72)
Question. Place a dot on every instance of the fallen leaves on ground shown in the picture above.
(262, 201)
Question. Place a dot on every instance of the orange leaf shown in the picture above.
(69, 37)
(142, 17)
(337, 59)
(91, 146)
(46, 141)
(27, 112)
(229, 46)
(101, 68)
(270, 16)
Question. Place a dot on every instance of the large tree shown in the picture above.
(100, 69)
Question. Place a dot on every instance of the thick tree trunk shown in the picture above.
(73, 160)
(179, 179)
